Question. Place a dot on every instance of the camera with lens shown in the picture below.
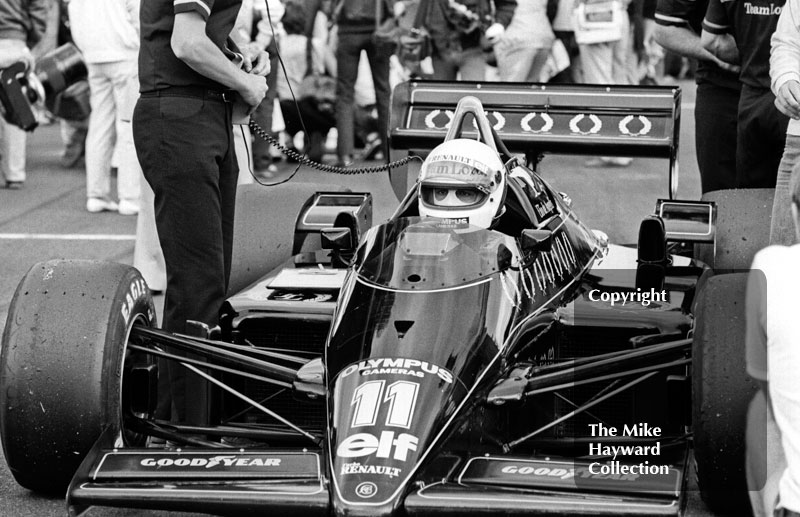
(462, 18)
(58, 83)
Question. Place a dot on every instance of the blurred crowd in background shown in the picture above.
(334, 63)
(341, 58)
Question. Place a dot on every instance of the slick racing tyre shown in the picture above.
(63, 360)
(721, 393)
(743, 217)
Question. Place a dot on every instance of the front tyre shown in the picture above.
(64, 350)
(722, 390)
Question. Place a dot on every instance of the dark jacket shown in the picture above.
(360, 15)
(448, 39)
(24, 20)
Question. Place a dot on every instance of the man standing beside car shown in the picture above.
(739, 32)
(190, 73)
(679, 24)
(784, 71)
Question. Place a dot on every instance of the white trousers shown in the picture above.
(12, 151)
(607, 63)
(113, 94)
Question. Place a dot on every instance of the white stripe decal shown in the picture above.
(714, 25)
(664, 17)
(67, 237)
(176, 3)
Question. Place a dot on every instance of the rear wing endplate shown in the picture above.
(532, 119)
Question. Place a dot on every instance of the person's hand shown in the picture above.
(494, 33)
(721, 46)
(260, 65)
(255, 60)
(253, 89)
(730, 67)
(12, 51)
(788, 99)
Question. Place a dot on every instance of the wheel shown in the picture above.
(722, 391)
(63, 362)
(743, 217)
(264, 229)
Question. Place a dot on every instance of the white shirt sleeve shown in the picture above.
(784, 60)
(755, 318)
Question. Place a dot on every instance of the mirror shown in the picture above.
(536, 240)
(337, 238)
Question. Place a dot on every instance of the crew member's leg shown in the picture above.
(597, 62)
(348, 53)
(12, 153)
(100, 139)
(473, 65)
(125, 79)
(620, 53)
(761, 139)
(443, 69)
(378, 56)
(782, 229)
(147, 255)
(181, 155)
(185, 148)
(513, 61)
(715, 115)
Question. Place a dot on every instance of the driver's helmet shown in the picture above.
(462, 180)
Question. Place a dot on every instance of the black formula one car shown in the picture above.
(413, 367)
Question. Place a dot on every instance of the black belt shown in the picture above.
(192, 91)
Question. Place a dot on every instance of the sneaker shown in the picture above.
(345, 161)
(372, 148)
(128, 207)
(96, 204)
(14, 185)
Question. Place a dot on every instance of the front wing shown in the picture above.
(238, 481)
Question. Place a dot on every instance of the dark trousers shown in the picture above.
(348, 53)
(568, 75)
(317, 124)
(715, 116)
(760, 140)
(185, 148)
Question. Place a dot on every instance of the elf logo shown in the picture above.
(365, 444)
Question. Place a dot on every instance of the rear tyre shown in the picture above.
(264, 229)
(743, 217)
(722, 391)
(64, 350)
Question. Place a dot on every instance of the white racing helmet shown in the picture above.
(462, 180)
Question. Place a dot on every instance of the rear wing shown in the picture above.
(532, 119)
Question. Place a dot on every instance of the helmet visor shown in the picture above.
(450, 196)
